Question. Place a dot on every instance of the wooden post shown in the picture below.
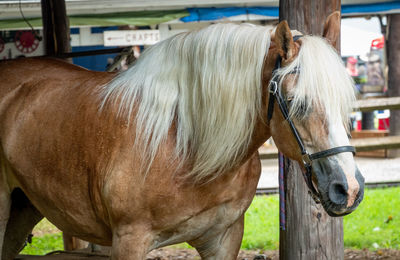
(310, 233)
(393, 60)
(72, 243)
(55, 27)
(57, 41)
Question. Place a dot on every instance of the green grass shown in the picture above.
(378, 206)
(262, 225)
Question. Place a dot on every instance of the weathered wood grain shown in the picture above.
(393, 61)
(310, 233)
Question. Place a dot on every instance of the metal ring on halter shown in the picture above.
(306, 158)
(273, 88)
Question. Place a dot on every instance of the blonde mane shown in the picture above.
(208, 83)
(322, 81)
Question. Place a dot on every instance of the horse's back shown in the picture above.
(27, 70)
(40, 92)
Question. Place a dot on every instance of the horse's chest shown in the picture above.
(205, 224)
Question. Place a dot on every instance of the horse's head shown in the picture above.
(310, 95)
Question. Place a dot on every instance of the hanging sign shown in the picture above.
(129, 38)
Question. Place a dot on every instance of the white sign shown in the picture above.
(128, 38)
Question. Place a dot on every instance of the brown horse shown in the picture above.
(166, 152)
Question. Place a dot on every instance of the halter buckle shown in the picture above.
(314, 196)
(273, 88)
(306, 159)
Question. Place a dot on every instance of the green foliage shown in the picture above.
(44, 244)
(379, 211)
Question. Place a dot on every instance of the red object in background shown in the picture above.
(358, 125)
(26, 41)
(378, 43)
(352, 60)
(383, 124)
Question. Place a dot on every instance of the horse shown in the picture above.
(166, 151)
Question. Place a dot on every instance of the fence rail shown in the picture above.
(365, 105)
(370, 185)
(361, 145)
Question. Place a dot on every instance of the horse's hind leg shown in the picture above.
(222, 246)
(23, 217)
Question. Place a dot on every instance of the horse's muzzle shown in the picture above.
(339, 194)
(342, 198)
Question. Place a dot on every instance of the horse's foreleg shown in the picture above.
(130, 243)
(23, 217)
(223, 246)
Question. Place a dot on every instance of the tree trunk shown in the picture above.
(310, 233)
(393, 59)
(55, 27)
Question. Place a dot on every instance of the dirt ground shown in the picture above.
(187, 254)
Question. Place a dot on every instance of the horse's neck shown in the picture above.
(262, 131)
(261, 134)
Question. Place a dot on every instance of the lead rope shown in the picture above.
(282, 195)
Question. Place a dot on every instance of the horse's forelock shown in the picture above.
(322, 80)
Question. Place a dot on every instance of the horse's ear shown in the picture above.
(284, 41)
(332, 28)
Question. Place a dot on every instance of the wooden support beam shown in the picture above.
(310, 232)
(55, 27)
(393, 61)
(377, 104)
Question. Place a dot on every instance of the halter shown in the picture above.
(307, 158)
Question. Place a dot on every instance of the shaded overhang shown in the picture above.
(147, 12)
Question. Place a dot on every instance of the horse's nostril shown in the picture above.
(338, 193)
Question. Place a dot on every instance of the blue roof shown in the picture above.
(210, 14)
